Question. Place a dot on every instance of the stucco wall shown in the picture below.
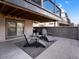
(2, 29)
(28, 28)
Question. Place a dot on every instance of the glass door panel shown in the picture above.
(11, 28)
(20, 26)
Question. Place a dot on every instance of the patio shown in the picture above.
(34, 51)
(63, 48)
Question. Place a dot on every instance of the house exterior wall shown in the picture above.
(46, 24)
(2, 29)
(28, 28)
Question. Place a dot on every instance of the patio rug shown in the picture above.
(32, 50)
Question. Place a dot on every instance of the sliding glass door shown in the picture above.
(20, 27)
(11, 27)
(14, 28)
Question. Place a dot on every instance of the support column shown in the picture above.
(2, 29)
(28, 28)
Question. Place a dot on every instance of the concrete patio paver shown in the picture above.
(10, 51)
(63, 48)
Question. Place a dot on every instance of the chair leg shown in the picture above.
(37, 45)
(26, 45)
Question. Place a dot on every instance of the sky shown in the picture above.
(71, 7)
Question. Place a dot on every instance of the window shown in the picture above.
(14, 28)
(37, 1)
(11, 28)
(20, 26)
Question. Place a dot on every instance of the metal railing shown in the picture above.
(51, 7)
(48, 5)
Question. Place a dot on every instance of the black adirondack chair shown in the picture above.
(37, 42)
